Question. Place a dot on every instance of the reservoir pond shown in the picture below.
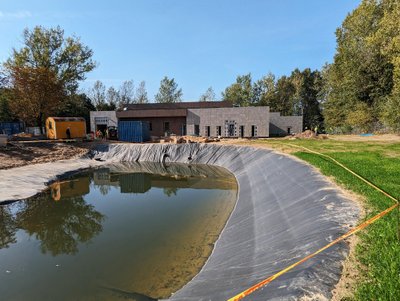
(126, 231)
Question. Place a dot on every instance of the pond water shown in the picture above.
(123, 232)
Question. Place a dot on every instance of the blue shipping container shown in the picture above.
(133, 131)
(11, 128)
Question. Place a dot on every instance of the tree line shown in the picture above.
(363, 82)
(298, 94)
(42, 79)
(358, 92)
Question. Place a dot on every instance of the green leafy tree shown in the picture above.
(264, 91)
(387, 38)
(46, 56)
(360, 117)
(241, 92)
(306, 100)
(168, 91)
(285, 92)
(78, 105)
(364, 67)
(209, 95)
(5, 110)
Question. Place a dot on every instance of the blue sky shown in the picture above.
(199, 43)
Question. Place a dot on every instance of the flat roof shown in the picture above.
(176, 109)
(179, 105)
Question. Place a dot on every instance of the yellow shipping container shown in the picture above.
(60, 127)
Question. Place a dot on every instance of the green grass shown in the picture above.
(379, 248)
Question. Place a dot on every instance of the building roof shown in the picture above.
(180, 105)
(68, 118)
(177, 109)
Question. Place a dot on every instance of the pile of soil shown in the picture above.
(308, 134)
(19, 154)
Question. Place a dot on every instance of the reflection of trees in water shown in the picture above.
(104, 189)
(7, 228)
(60, 226)
(169, 191)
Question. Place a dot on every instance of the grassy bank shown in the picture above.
(378, 251)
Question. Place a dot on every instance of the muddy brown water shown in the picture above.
(123, 232)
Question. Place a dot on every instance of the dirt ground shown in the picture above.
(24, 153)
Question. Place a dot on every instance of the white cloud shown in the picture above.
(15, 15)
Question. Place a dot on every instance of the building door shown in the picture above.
(197, 130)
(289, 129)
(242, 131)
(183, 130)
(231, 130)
(102, 128)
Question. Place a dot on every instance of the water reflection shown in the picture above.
(135, 177)
(150, 227)
(7, 228)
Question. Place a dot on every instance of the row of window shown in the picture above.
(230, 130)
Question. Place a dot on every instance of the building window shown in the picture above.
(101, 120)
(219, 130)
(242, 131)
(50, 125)
(150, 126)
(231, 130)
(207, 131)
(197, 130)
(253, 131)
(166, 126)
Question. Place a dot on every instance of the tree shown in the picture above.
(387, 37)
(48, 67)
(364, 69)
(45, 48)
(36, 94)
(241, 92)
(209, 95)
(126, 94)
(360, 117)
(168, 91)
(112, 96)
(306, 102)
(141, 93)
(264, 91)
(285, 92)
(78, 105)
(5, 110)
(97, 95)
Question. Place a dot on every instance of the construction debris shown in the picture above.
(173, 139)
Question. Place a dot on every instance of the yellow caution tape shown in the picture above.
(344, 236)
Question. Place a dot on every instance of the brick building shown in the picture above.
(213, 119)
